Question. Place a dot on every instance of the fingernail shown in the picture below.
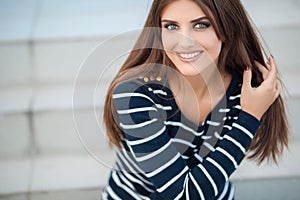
(272, 56)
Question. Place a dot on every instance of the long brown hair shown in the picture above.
(240, 48)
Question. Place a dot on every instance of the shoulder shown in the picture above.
(147, 85)
(142, 91)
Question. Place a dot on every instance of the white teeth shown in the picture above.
(189, 56)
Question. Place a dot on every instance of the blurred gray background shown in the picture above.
(56, 60)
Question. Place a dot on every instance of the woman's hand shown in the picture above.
(256, 101)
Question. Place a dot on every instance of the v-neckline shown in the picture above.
(201, 126)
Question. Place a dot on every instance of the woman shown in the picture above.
(192, 98)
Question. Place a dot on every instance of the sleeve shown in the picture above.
(141, 118)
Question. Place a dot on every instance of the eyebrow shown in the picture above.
(193, 21)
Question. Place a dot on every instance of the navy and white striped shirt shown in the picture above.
(167, 156)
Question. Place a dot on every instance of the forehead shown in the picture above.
(182, 10)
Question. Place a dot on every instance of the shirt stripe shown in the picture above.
(135, 110)
(140, 125)
(184, 127)
(243, 129)
(164, 187)
(197, 186)
(141, 141)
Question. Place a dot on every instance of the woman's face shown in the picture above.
(188, 37)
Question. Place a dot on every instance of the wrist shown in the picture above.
(257, 115)
(248, 121)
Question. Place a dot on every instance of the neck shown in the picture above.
(196, 96)
(210, 82)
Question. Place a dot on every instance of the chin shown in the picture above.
(190, 70)
(189, 73)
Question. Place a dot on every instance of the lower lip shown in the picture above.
(188, 60)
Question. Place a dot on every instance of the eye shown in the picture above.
(202, 25)
(171, 27)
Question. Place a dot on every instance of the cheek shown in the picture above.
(169, 41)
(211, 44)
(216, 50)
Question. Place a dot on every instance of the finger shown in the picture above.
(247, 78)
(262, 69)
(272, 75)
(268, 64)
(278, 88)
(273, 68)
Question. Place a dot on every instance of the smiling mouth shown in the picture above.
(188, 57)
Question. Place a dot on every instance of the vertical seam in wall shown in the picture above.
(32, 150)
(33, 82)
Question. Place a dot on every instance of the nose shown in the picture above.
(186, 41)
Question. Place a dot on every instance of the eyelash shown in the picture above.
(167, 26)
(203, 25)
(175, 26)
